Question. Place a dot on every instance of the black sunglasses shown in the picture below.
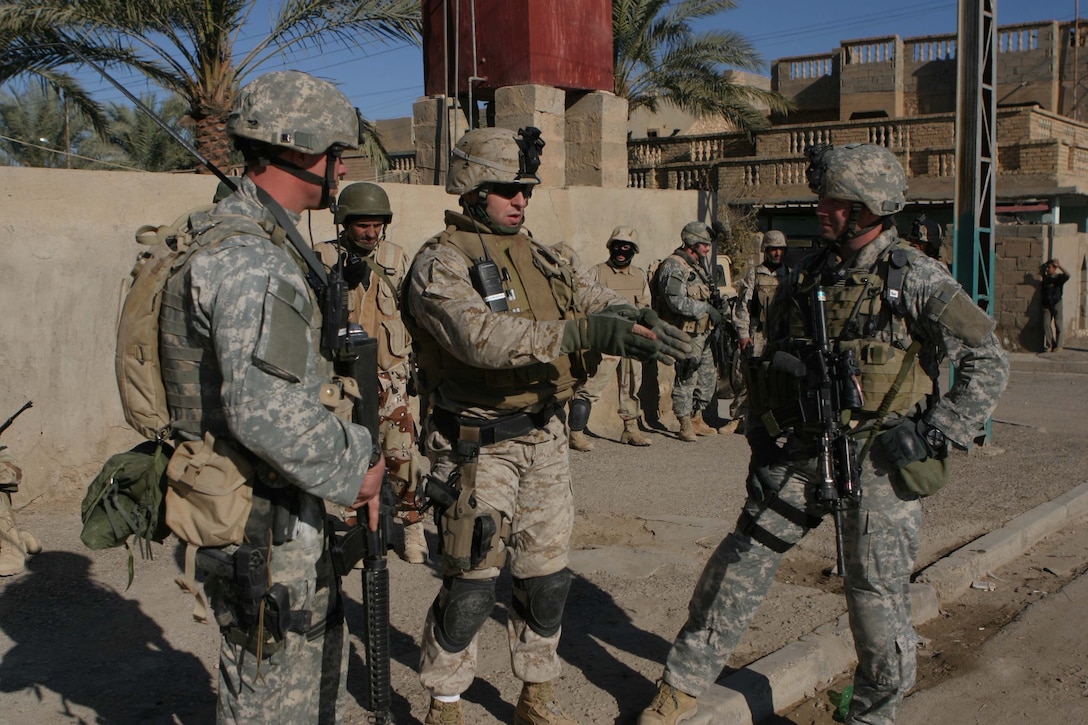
(509, 191)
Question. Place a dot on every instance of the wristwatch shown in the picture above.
(375, 456)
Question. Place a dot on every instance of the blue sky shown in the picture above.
(385, 80)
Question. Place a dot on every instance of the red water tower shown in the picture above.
(561, 43)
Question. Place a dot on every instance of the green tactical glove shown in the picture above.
(675, 343)
(607, 334)
(715, 315)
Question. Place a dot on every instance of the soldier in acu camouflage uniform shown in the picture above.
(906, 300)
(374, 269)
(684, 284)
(616, 273)
(239, 331)
(500, 324)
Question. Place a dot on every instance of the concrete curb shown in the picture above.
(795, 672)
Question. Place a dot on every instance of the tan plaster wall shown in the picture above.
(67, 243)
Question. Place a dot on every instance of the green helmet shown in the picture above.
(695, 233)
(864, 173)
(293, 110)
(363, 199)
(624, 234)
(494, 156)
(223, 190)
(773, 239)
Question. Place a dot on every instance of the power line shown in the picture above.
(68, 153)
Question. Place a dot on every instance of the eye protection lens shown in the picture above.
(509, 191)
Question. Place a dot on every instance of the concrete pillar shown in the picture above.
(433, 121)
(596, 139)
(544, 107)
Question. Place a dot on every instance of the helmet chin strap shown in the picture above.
(478, 211)
(853, 231)
(326, 182)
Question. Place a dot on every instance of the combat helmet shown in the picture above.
(864, 173)
(494, 156)
(363, 199)
(623, 234)
(294, 110)
(695, 233)
(773, 239)
(927, 234)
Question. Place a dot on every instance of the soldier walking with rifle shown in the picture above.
(840, 423)
(15, 544)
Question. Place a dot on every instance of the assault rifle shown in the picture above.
(828, 388)
(7, 423)
(724, 337)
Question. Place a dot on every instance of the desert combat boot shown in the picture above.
(670, 706)
(631, 435)
(700, 426)
(579, 441)
(444, 713)
(415, 544)
(537, 706)
(686, 432)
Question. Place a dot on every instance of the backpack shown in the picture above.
(129, 496)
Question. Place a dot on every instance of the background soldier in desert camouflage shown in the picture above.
(374, 269)
(750, 313)
(500, 323)
(905, 300)
(15, 544)
(238, 334)
(618, 274)
(683, 288)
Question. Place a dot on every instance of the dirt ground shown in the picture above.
(76, 647)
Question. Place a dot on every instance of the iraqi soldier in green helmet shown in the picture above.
(245, 382)
(684, 290)
(899, 439)
(374, 268)
(619, 274)
(502, 326)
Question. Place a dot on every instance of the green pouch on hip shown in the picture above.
(924, 477)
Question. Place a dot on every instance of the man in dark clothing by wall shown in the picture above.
(1050, 294)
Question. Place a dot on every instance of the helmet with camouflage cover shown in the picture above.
(294, 110)
(773, 239)
(623, 234)
(494, 156)
(695, 233)
(864, 173)
(929, 235)
(363, 199)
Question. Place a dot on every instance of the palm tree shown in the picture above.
(38, 128)
(141, 143)
(659, 58)
(188, 48)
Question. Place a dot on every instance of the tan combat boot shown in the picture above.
(686, 432)
(579, 441)
(632, 435)
(12, 548)
(670, 706)
(444, 713)
(730, 427)
(415, 544)
(537, 706)
(701, 428)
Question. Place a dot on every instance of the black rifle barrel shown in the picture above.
(7, 423)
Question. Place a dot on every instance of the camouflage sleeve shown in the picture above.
(643, 299)
(940, 312)
(742, 310)
(594, 273)
(442, 300)
(674, 288)
(400, 270)
(251, 302)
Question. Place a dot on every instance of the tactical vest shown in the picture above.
(697, 288)
(628, 283)
(878, 332)
(765, 287)
(376, 306)
(540, 286)
(190, 369)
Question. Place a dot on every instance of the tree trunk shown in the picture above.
(212, 141)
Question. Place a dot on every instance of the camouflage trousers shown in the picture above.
(397, 431)
(738, 409)
(693, 391)
(303, 680)
(527, 480)
(628, 375)
(880, 543)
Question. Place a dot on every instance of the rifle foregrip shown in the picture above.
(376, 643)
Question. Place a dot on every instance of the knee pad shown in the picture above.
(460, 609)
(540, 600)
(579, 414)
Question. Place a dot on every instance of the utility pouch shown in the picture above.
(208, 498)
(925, 477)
